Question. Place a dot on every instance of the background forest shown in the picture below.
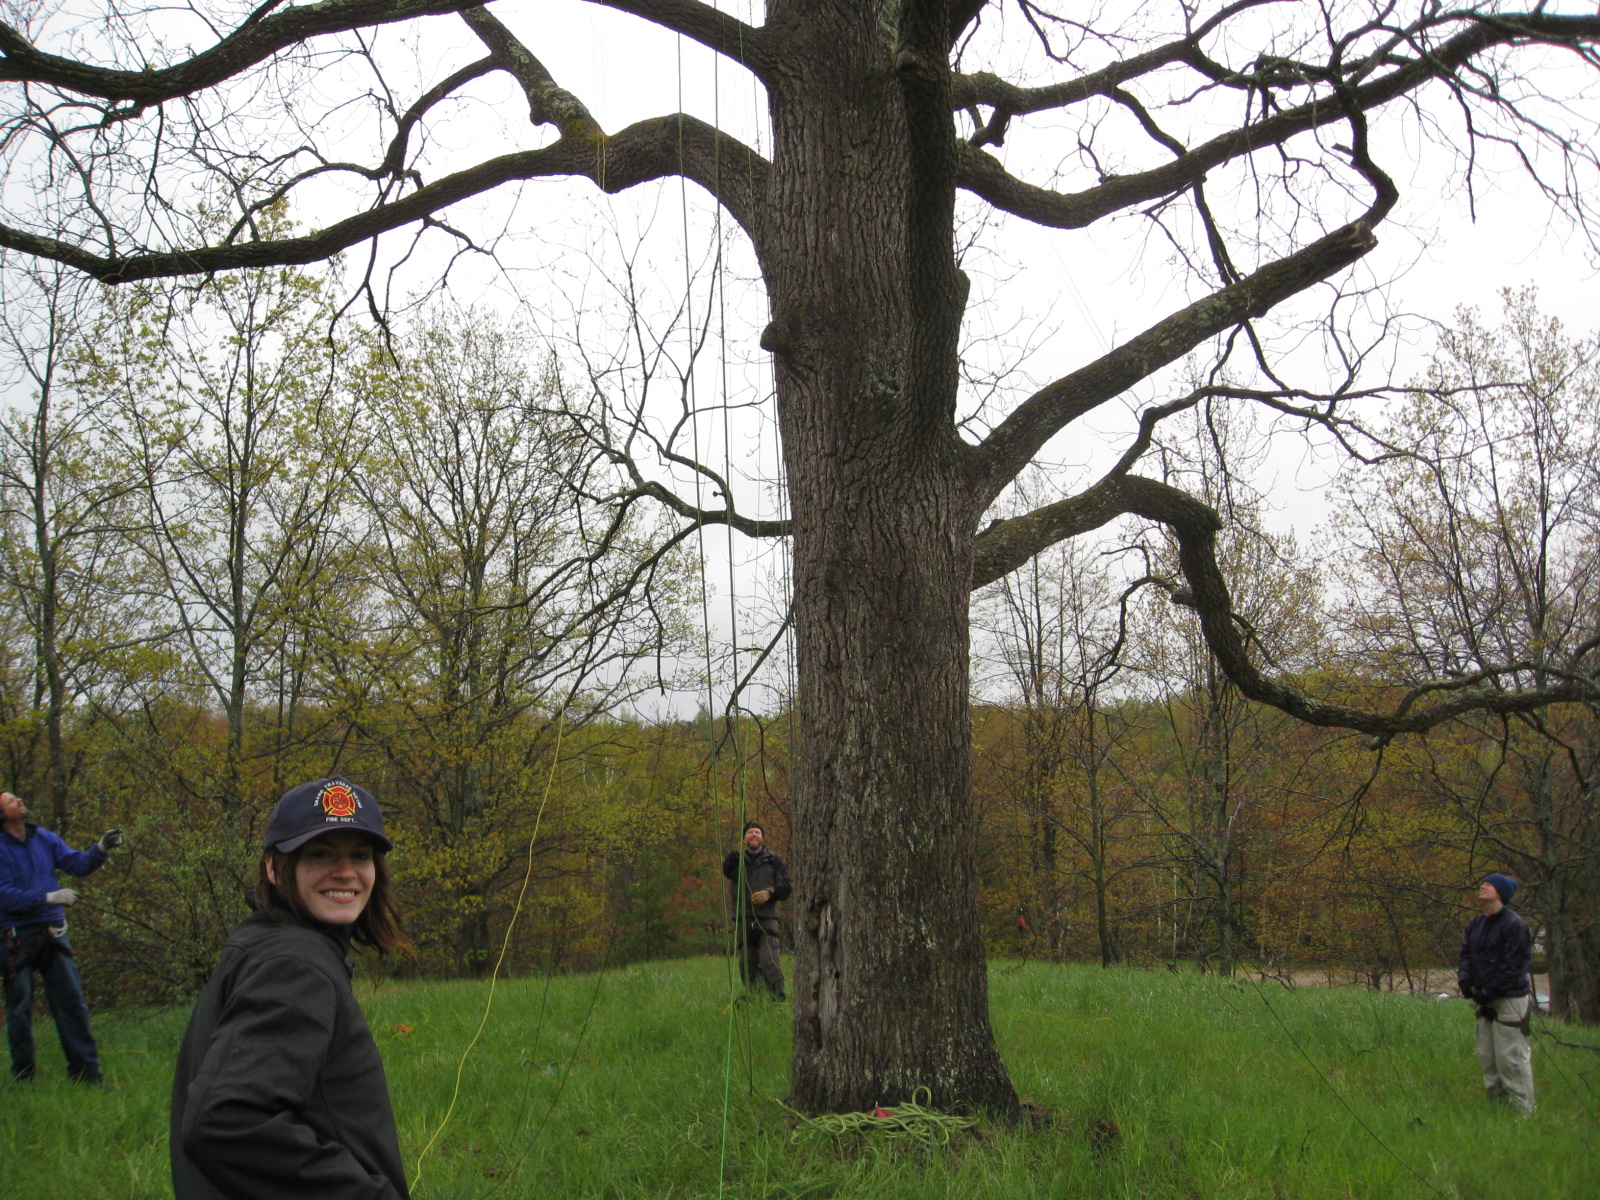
(244, 543)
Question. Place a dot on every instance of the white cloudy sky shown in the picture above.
(1067, 296)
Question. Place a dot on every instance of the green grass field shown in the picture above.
(647, 1082)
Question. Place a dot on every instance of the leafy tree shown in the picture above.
(229, 409)
(65, 511)
(1244, 132)
(1051, 636)
(1228, 764)
(505, 608)
(1479, 568)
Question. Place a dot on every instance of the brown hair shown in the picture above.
(379, 924)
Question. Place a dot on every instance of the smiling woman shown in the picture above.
(279, 1086)
(334, 877)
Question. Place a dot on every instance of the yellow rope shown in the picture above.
(505, 944)
(912, 1120)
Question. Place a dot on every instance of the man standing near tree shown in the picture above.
(33, 922)
(1496, 957)
(757, 880)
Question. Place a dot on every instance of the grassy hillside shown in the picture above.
(614, 1085)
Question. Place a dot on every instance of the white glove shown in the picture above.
(66, 897)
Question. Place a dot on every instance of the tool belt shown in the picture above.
(31, 947)
(1486, 1012)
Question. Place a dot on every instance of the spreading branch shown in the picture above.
(659, 148)
(991, 91)
(983, 175)
(749, 526)
(746, 45)
(548, 102)
(255, 41)
(1005, 545)
(1425, 706)
(1019, 437)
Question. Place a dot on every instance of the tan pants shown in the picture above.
(1505, 1054)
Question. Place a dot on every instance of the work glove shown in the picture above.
(66, 897)
(111, 839)
(1486, 1012)
(760, 897)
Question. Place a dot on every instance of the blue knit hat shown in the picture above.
(1505, 885)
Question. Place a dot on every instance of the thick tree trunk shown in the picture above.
(891, 991)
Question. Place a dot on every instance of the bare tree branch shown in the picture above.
(992, 91)
(648, 150)
(548, 102)
(1195, 527)
(984, 176)
(749, 526)
(745, 44)
(253, 42)
(1005, 545)
(1015, 441)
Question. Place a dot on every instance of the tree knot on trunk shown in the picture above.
(778, 337)
(908, 63)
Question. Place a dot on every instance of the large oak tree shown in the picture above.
(883, 113)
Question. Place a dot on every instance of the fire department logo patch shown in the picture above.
(338, 800)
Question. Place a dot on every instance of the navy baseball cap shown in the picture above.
(333, 805)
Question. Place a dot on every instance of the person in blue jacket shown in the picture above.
(33, 922)
(1495, 974)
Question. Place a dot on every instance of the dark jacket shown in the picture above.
(279, 1089)
(28, 872)
(763, 871)
(1496, 956)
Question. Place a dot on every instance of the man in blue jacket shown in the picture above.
(1496, 958)
(33, 923)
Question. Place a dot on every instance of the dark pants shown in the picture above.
(31, 948)
(758, 954)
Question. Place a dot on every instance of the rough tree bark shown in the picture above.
(890, 986)
(852, 221)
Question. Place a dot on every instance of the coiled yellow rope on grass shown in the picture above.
(913, 1120)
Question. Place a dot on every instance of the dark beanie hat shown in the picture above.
(749, 825)
(324, 806)
(1505, 885)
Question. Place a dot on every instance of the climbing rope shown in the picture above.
(1339, 1096)
(912, 1121)
(505, 945)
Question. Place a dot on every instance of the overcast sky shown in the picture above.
(1067, 296)
(1045, 302)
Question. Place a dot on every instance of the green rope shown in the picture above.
(912, 1121)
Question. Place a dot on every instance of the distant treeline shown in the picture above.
(1290, 856)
